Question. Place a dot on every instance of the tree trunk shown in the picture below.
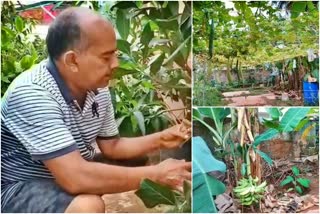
(241, 74)
(248, 125)
(255, 127)
(229, 67)
(237, 70)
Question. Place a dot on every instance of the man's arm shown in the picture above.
(76, 175)
(126, 148)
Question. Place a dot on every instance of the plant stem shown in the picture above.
(248, 163)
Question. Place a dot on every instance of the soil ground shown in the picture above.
(257, 97)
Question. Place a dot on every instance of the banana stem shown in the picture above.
(248, 163)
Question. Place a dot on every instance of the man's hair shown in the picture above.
(64, 33)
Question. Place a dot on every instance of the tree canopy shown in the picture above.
(254, 32)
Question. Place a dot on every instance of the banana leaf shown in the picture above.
(205, 186)
(292, 118)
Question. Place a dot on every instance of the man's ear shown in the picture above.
(70, 61)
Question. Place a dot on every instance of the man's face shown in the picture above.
(97, 63)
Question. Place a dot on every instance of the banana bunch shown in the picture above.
(249, 191)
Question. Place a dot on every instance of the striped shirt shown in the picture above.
(40, 120)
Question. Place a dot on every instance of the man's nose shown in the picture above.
(114, 63)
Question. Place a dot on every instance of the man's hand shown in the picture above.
(175, 136)
(172, 172)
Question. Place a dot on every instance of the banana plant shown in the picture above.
(218, 115)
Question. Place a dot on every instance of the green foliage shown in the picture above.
(296, 180)
(292, 118)
(205, 186)
(153, 194)
(206, 95)
(288, 123)
(253, 31)
(138, 111)
(249, 191)
(154, 48)
(20, 50)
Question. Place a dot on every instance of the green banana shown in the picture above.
(248, 190)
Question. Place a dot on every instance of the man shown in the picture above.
(53, 113)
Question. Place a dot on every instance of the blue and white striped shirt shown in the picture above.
(40, 120)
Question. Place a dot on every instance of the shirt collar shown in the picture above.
(52, 68)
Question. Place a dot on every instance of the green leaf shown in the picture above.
(275, 113)
(156, 64)
(147, 35)
(140, 119)
(125, 67)
(123, 46)
(124, 5)
(216, 136)
(201, 155)
(123, 24)
(292, 118)
(196, 114)
(4, 78)
(4, 38)
(226, 135)
(267, 135)
(311, 7)
(153, 194)
(295, 171)
(270, 124)
(120, 120)
(299, 190)
(264, 156)
(304, 182)
(301, 124)
(120, 72)
(217, 115)
(9, 66)
(26, 62)
(19, 24)
(287, 180)
(299, 6)
(173, 7)
(126, 128)
(175, 53)
(204, 186)
(185, 27)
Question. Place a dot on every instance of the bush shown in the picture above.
(20, 50)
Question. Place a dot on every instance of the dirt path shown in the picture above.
(128, 202)
(251, 98)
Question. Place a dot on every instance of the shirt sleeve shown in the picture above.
(36, 119)
(109, 128)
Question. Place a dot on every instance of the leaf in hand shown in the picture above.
(153, 194)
